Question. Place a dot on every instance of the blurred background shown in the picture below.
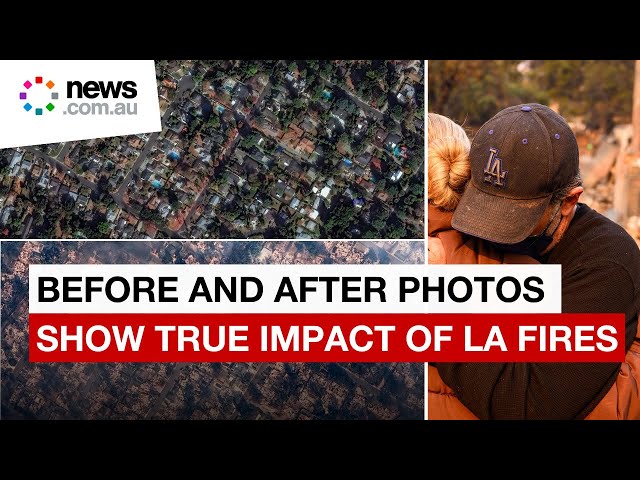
(600, 99)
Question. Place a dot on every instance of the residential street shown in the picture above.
(368, 109)
(185, 83)
(227, 154)
(61, 166)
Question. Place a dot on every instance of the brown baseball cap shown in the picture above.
(519, 159)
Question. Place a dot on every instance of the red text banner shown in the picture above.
(325, 337)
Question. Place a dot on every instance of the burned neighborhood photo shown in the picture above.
(198, 390)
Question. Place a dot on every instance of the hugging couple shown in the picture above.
(512, 196)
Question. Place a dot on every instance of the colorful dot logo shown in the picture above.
(38, 81)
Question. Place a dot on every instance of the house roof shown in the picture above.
(364, 159)
(306, 145)
(392, 138)
(368, 186)
(292, 135)
(380, 135)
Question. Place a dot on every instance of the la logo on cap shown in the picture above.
(493, 172)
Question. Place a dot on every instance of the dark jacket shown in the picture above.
(622, 398)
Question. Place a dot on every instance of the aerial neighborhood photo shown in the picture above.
(296, 149)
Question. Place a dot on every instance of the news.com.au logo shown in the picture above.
(93, 92)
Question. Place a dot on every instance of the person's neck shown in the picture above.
(560, 231)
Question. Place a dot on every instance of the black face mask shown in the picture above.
(534, 245)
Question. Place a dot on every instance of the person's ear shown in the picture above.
(571, 200)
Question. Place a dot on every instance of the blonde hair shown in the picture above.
(448, 161)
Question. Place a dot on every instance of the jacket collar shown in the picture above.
(438, 220)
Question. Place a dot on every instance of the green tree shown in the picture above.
(597, 90)
(340, 220)
(104, 228)
(472, 91)
(346, 104)
(396, 112)
(214, 121)
(380, 221)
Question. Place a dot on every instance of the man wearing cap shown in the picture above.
(523, 197)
